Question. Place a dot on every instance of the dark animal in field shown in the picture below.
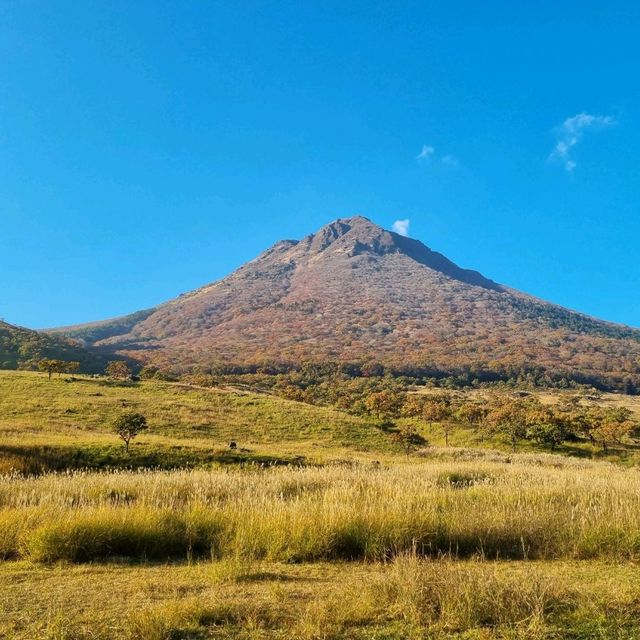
(233, 445)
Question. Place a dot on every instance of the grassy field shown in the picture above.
(320, 529)
(457, 545)
(66, 424)
(406, 598)
(56, 424)
(538, 507)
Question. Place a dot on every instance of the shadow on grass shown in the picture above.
(387, 426)
(39, 459)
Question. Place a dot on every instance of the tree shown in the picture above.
(148, 372)
(586, 421)
(436, 409)
(118, 369)
(613, 426)
(383, 403)
(51, 366)
(473, 413)
(508, 417)
(412, 405)
(544, 426)
(71, 367)
(447, 427)
(551, 433)
(128, 425)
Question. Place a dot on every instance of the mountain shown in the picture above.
(355, 292)
(20, 347)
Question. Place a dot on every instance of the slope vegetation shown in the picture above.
(20, 347)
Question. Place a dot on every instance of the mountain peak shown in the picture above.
(357, 236)
(354, 227)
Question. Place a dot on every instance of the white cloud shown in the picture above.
(572, 131)
(401, 227)
(426, 152)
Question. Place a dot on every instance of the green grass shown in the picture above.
(55, 425)
(51, 425)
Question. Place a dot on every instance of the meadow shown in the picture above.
(65, 423)
(457, 545)
(323, 530)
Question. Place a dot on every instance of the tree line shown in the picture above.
(513, 418)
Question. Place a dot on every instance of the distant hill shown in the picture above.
(23, 348)
(354, 292)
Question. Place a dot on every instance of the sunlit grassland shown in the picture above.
(58, 424)
(55, 425)
(540, 507)
(457, 545)
(405, 598)
(358, 540)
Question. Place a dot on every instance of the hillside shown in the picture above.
(355, 292)
(64, 424)
(20, 347)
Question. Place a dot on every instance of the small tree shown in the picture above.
(51, 366)
(436, 409)
(148, 372)
(473, 413)
(509, 418)
(412, 406)
(128, 425)
(614, 426)
(546, 426)
(383, 403)
(118, 369)
(549, 432)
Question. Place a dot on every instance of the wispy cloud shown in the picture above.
(572, 131)
(401, 227)
(426, 152)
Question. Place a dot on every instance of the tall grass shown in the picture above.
(533, 507)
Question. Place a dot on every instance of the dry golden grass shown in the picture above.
(493, 506)
(406, 598)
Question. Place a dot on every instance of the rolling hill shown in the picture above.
(20, 347)
(354, 292)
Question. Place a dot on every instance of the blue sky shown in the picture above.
(149, 147)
